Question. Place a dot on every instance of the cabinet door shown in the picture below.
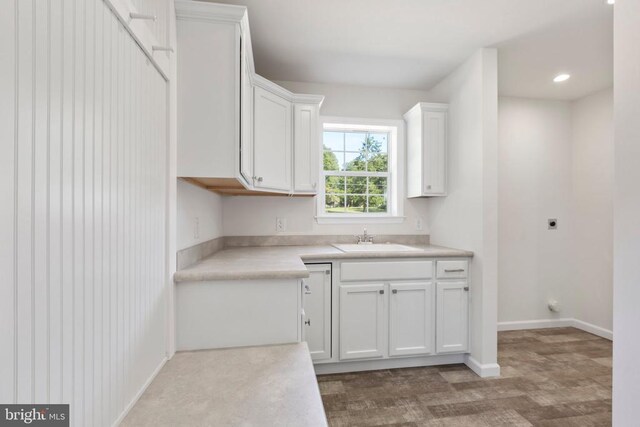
(362, 321)
(316, 301)
(453, 317)
(306, 137)
(271, 141)
(412, 319)
(246, 122)
(208, 102)
(434, 152)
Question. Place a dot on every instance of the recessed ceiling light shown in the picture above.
(561, 78)
(611, 1)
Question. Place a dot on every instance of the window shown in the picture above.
(358, 171)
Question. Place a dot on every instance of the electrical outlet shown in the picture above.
(419, 224)
(281, 225)
(196, 228)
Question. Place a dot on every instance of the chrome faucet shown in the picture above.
(365, 239)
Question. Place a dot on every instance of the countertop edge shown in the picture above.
(188, 275)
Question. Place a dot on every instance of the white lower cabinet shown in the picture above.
(362, 321)
(236, 313)
(453, 317)
(412, 314)
(316, 305)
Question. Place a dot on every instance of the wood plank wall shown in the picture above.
(83, 179)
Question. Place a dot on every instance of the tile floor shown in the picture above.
(550, 377)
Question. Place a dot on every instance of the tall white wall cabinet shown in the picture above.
(239, 133)
(427, 150)
(83, 217)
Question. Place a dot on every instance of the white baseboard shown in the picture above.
(139, 393)
(534, 324)
(483, 371)
(372, 365)
(556, 323)
(593, 329)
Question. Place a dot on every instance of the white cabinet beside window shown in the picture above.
(306, 134)
(272, 149)
(316, 304)
(362, 321)
(412, 311)
(427, 150)
(453, 317)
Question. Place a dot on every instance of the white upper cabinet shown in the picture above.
(246, 120)
(272, 150)
(427, 150)
(306, 148)
(209, 81)
(236, 129)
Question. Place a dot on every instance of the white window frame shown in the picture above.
(395, 185)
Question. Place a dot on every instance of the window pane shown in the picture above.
(332, 161)
(356, 185)
(334, 203)
(377, 204)
(353, 141)
(333, 141)
(378, 162)
(354, 162)
(379, 142)
(377, 185)
(356, 203)
(334, 184)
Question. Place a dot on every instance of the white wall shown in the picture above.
(83, 221)
(626, 247)
(592, 208)
(196, 204)
(556, 161)
(256, 215)
(360, 101)
(534, 185)
(467, 217)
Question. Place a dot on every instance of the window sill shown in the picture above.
(342, 219)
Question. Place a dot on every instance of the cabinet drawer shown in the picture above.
(377, 271)
(452, 269)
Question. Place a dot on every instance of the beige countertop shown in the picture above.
(287, 262)
(250, 386)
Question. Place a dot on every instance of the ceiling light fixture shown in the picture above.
(611, 1)
(561, 78)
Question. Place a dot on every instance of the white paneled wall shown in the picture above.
(159, 9)
(83, 128)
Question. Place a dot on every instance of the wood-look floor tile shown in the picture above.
(550, 377)
(331, 387)
(604, 361)
(506, 418)
(593, 420)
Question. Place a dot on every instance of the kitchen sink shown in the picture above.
(376, 247)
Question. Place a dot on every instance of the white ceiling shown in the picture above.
(413, 44)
